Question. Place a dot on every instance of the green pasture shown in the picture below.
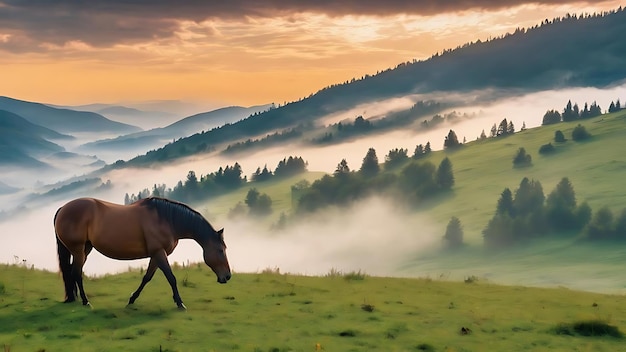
(269, 311)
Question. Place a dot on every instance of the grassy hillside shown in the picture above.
(273, 312)
(483, 169)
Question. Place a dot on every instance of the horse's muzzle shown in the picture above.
(223, 279)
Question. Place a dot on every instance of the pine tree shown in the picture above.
(454, 233)
(511, 128)
(427, 148)
(342, 168)
(451, 141)
(445, 176)
(370, 167)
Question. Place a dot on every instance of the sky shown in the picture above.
(236, 52)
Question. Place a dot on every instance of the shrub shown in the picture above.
(588, 328)
(546, 149)
(522, 159)
(559, 137)
(580, 133)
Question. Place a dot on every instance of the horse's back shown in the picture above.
(115, 230)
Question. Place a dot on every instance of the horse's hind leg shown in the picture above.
(146, 278)
(77, 273)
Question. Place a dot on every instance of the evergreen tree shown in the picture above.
(595, 110)
(580, 133)
(529, 197)
(559, 137)
(419, 151)
(585, 113)
(601, 226)
(454, 233)
(494, 131)
(505, 203)
(561, 205)
(551, 117)
(427, 149)
(502, 128)
(612, 107)
(445, 176)
(370, 167)
(618, 105)
(523, 126)
(451, 141)
(126, 199)
(521, 158)
(568, 112)
(342, 168)
(395, 158)
(483, 135)
(511, 128)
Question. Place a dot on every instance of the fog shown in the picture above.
(372, 236)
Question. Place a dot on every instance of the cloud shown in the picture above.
(102, 23)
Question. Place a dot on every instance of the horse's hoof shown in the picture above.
(87, 304)
(182, 307)
(69, 300)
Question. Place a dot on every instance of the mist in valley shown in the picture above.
(373, 236)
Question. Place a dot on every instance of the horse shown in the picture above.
(148, 228)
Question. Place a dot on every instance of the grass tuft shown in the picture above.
(588, 328)
(355, 276)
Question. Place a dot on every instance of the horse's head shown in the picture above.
(215, 256)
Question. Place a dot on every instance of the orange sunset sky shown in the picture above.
(239, 52)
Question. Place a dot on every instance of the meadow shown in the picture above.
(270, 311)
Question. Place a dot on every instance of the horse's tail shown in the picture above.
(65, 266)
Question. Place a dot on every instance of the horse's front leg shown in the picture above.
(164, 265)
(152, 266)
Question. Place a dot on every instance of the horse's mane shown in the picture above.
(181, 217)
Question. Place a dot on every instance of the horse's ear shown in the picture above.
(221, 232)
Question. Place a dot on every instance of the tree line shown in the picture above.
(404, 177)
(225, 179)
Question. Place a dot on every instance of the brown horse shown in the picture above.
(148, 228)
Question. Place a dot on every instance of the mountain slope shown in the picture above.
(21, 142)
(146, 140)
(63, 120)
(565, 52)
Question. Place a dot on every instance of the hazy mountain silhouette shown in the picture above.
(64, 120)
(145, 140)
(22, 142)
(565, 52)
(6, 189)
(145, 119)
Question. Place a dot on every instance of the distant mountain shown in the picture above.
(129, 115)
(6, 189)
(64, 120)
(11, 121)
(565, 52)
(146, 140)
(22, 142)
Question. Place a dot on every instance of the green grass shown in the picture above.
(275, 312)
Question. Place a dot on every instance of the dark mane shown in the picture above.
(183, 219)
